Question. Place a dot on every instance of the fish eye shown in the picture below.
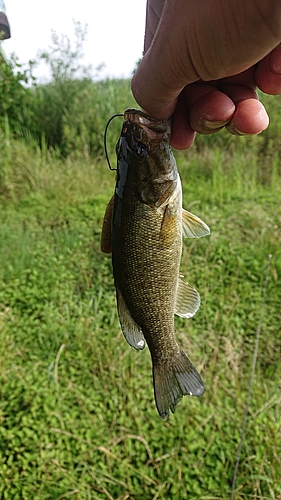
(140, 150)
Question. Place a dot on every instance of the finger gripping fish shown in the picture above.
(143, 228)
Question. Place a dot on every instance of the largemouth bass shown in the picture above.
(143, 228)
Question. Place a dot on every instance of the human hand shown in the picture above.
(203, 66)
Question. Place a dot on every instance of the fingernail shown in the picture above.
(212, 126)
(232, 129)
(275, 60)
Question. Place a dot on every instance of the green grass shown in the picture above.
(77, 413)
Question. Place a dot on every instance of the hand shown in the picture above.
(202, 65)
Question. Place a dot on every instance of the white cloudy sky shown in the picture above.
(115, 30)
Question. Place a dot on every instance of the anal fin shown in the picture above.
(132, 332)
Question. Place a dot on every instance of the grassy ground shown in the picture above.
(77, 412)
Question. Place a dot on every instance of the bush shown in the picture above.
(15, 97)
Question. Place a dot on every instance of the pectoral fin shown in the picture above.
(106, 227)
(192, 226)
(132, 332)
(187, 300)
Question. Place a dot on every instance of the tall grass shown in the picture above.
(77, 408)
(77, 413)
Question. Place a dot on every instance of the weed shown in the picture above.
(77, 415)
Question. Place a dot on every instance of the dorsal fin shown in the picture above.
(107, 227)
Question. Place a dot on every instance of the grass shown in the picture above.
(77, 414)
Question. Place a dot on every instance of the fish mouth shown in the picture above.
(155, 129)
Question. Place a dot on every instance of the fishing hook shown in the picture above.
(104, 139)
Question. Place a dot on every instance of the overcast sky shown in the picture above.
(115, 30)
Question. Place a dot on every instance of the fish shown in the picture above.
(142, 229)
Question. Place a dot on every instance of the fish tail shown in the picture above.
(172, 381)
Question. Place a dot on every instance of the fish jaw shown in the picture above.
(149, 124)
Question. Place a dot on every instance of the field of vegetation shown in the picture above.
(77, 412)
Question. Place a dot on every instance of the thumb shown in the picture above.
(153, 90)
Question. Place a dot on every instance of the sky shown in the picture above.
(114, 35)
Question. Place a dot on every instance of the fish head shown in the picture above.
(146, 164)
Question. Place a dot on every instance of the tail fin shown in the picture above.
(172, 381)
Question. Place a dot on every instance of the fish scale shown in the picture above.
(143, 228)
(155, 288)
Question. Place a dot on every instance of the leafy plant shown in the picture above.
(15, 96)
(77, 414)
